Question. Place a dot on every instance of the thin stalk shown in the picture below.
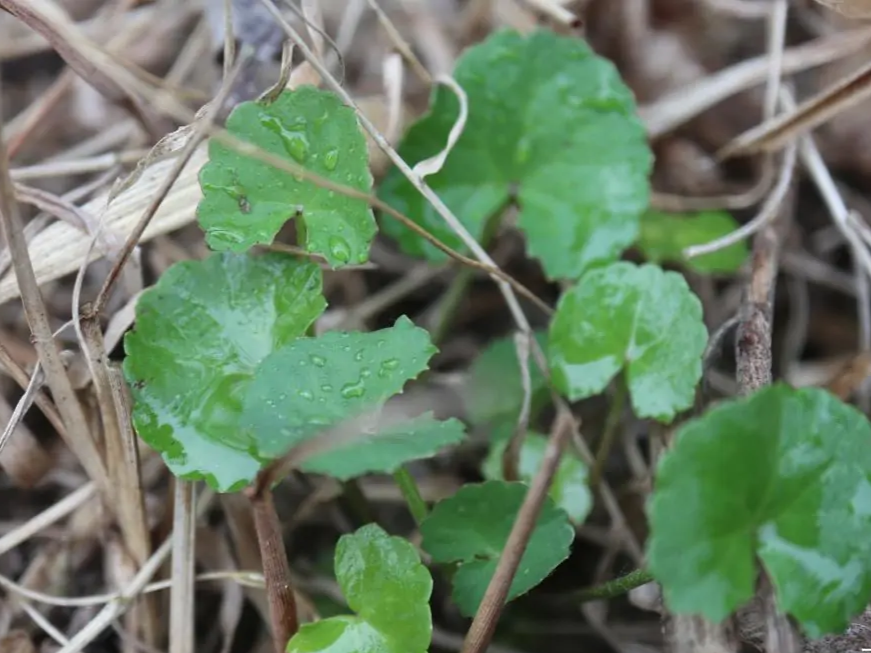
(356, 504)
(276, 570)
(411, 493)
(456, 291)
(612, 421)
(613, 588)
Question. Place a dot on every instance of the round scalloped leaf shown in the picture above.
(569, 489)
(388, 587)
(201, 331)
(638, 318)
(664, 236)
(246, 201)
(552, 127)
(472, 527)
(316, 383)
(783, 474)
(495, 388)
(386, 450)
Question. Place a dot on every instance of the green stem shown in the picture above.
(612, 421)
(456, 291)
(411, 493)
(355, 503)
(614, 588)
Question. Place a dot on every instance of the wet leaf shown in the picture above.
(569, 489)
(201, 331)
(664, 236)
(316, 383)
(387, 586)
(551, 127)
(245, 201)
(634, 318)
(495, 389)
(784, 474)
(472, 527)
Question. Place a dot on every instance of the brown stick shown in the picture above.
(481, 631)
(276, 570)
(753, 361)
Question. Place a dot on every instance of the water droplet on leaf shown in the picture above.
(295, 142)
(353, 390)
(339, 249)
(306, 394)
(331, 159)
(320, 361)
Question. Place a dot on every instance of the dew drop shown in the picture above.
(320, 361)
(306, 394)
(365, 372)
(294, 141)
(359, 356)
(390, 364)
(353, 390)
(339, 249)
(326, 387)
(331, 159)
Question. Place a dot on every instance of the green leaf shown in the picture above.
(245, 201)
(316, 383)
(495, 391)
(386, 450)
(551, 127)
(472, 527)
(388, 587)
(201, 331)
(637, 318)
(569, 488)
(784, 474)
(664, 237)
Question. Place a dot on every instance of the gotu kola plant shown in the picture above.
(227, 377)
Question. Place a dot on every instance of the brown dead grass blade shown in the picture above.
(776, 133)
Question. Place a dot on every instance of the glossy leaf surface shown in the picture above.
(634, 318)
(246, 201)
(387, 586)
(552, 127)
(200, 333)
(784, 474)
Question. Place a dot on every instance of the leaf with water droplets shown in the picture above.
(665, 236)
(783, 477)
(472, 527)
(200, 333)
(246, 201)
(551, 128)
(387, 585)
(317, 383)
(640, 319)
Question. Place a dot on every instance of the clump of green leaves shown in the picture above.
(226, 375)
